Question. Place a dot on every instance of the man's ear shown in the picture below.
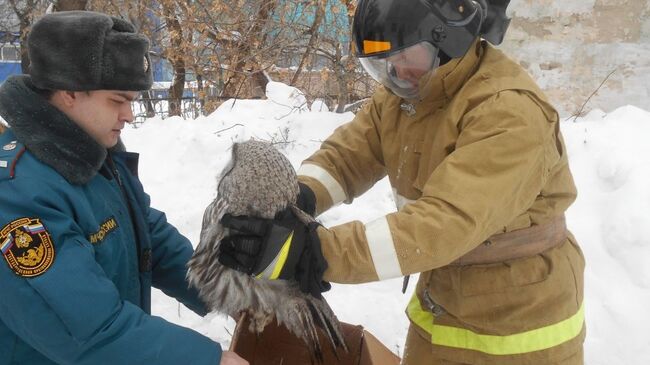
(63, 99)
(68, 97)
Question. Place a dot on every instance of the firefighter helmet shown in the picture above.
(400, 42)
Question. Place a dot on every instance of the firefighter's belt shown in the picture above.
(517, 244)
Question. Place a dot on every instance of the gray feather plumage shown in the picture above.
(259, 181)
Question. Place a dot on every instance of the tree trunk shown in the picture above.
(345, 75)
(25, 17)
(251, 41)
(25, 25)
(177, 87)
(148, 104)
(201, 94)
(313, 38)
(342, 97)
(66, 5)
(176, 58)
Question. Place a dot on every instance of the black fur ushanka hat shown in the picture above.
(85, 50)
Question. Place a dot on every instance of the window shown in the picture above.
(10, 53)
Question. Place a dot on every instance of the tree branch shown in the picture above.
(579, 113)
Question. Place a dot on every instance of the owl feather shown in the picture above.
(259, 182)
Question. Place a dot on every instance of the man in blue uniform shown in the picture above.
(80, 245)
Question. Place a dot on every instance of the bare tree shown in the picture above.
(333, 73)
(246, 60)
(230, 48)
(25, 11)
(313, 38)
(173, 17)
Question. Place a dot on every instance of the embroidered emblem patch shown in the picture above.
(146, 64)
(27, 247)
(107, 227)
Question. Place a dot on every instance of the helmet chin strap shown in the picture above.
(495, 22)
(443, 57)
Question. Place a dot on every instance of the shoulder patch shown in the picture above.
(27, 247)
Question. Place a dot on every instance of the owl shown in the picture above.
(259, 182)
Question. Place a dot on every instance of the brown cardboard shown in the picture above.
(276, 346)
(374, 352)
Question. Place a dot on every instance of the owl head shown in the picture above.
(259, 180)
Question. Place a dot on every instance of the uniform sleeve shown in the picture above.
(494, 174)
(171, 252)
(72, 313)
(348, 163)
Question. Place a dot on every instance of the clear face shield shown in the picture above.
(405, 72)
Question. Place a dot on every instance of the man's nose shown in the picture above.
(404, 73)
(126, 114)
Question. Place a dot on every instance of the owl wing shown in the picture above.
(204, 260)
(204, 266)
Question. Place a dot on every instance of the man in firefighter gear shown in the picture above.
(479, 171)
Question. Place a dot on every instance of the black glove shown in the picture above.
(280, 248)
(306, 199)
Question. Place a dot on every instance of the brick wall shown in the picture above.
(570, 46)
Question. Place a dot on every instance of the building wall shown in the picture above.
(570, 46)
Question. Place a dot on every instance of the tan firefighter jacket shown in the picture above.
(481, 155)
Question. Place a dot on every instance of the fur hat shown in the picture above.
(85, 50)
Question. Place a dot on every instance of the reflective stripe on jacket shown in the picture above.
(481, 155)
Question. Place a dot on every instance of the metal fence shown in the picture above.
(145, 107)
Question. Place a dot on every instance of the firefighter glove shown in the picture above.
(280, 248)
(306, 199)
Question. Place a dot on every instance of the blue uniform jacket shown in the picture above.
(90, 301)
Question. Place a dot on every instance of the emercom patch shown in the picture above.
(27, 247)
(104, 229)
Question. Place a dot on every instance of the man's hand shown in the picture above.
(231, 358)
(280, 248)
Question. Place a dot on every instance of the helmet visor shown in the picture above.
(404, 72)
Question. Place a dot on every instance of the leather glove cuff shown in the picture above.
(306, 199)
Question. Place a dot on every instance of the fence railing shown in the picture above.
(143, 108)
(190, 107)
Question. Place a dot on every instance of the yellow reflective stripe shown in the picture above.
(278, 262)
(519, 343)
(282, 257)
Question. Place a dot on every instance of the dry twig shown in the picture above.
(231, 127)
(579, 113)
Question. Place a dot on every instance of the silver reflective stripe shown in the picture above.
(268, 271)
(333, 187)
(382, 249)
(400, 201)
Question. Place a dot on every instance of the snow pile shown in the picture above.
(319, 105)
(610, 158)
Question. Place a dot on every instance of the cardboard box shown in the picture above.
(276, 346)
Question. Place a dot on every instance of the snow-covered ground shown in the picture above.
(610, 160)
